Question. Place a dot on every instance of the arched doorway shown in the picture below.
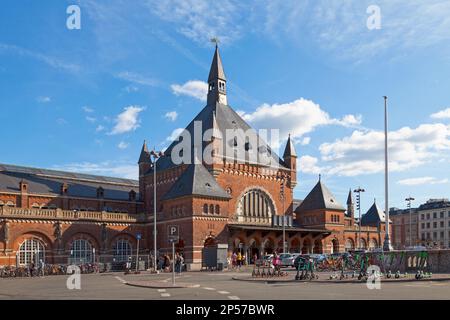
(373, 244)
(122, 250)
(349, 244)
(269, 246)
(334, 246)
(363, 243)
(306, 246)
(255, 205)
(252, 251)
(317, 247)
(295, 246)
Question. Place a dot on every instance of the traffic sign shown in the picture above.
(174, 233)
(139, 236)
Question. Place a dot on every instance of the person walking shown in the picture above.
(239, 260)
(41, 268)
(234, 260)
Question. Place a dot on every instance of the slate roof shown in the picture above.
(220, 118)
(373, 215)
(48, 182)
(196, 180)
(350, 197)
(216, 70)
(320, 198)
(145, 154)
(289, 151)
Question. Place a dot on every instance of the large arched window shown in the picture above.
(81, 252)
(31, 250)
(255, 205)
(122, 250)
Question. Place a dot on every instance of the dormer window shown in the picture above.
(100, 192)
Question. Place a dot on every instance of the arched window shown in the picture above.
(217, 209)
(81, 252)
(256, 205)
(10, 204)
(122, 250)
(31, 250)
(211, 208)
(205, 208)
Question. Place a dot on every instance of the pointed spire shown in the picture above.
(289, 151)
(145, 154)
(350, 197)
(215, 126)
(216, 70)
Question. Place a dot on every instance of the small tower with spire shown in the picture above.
(350, 205)
(290, 159)
(217, 82)
(145, 163)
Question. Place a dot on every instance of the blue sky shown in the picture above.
(86, 99)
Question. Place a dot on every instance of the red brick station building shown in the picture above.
(64, 217)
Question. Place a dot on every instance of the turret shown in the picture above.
(350, 205)
(290, 160)
(145, 163)
(217, 82)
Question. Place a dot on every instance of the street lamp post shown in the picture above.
(409, 199)
(387, 241)
(358, 206)
(156, 155)
(284, 216)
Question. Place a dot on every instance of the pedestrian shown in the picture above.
(178, 263)
(234, 260)
(255, 259)
(42, 267)
(239, 259)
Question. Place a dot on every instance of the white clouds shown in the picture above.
(172, 115)
(91, 119)
(174, 135)
(193, 88)
(421, 181)
(128, 120)
(443, 114)
(305, 141)
(137, 78)
(363, 151)
(108, 168)
(297, 118)
(43, 99)
(123, 145)
(201, 20)
(87, 109)
(50, 61)
(100, 128)
(308, 164)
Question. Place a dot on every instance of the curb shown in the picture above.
(162, 285)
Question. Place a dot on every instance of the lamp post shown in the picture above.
(156, 155)
(409, 199)
(387, 241)
(358, 206)
(284, 215)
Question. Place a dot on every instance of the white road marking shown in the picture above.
(120, 279)
(233, 298)
(208, 288)
(223, 292)
(165, 294)
(161, 290)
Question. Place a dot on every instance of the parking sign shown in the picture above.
(174, 233)
(139, 236)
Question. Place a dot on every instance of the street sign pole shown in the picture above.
(137, 251)
(173, 263)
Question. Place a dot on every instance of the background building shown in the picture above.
(434, 223)
(404, 233)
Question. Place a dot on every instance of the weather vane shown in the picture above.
(215, 40)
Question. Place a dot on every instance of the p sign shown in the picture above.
(174, 233)
(139, 236)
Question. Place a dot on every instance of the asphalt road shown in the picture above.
(212, 286)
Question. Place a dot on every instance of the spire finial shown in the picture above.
(215, 40)
(320, 176)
